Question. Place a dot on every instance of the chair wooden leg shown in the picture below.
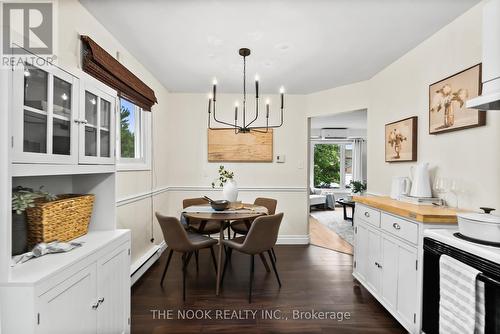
(228, 233)
(196, 254)
(252, 268)
(224, 269)
(274, 255)
(184, 265)
(274, 267)
(234, 235)
(166, 266)
(213, 258)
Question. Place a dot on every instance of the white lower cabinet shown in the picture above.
(94, 300)
(113, 292)
(399, 279)
(68, 305)
(387, 266)
(83, 291)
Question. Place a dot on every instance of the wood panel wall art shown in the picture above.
(226, 146)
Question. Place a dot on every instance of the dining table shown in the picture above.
(239, 212)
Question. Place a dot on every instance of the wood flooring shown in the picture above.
(324, 237)
(313, 278)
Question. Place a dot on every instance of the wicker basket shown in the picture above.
(64, 219)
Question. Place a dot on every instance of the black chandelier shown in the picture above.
(244, 127)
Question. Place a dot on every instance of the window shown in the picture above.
(332, 165)
(133, 141)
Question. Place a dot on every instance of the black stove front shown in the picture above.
(490, 275)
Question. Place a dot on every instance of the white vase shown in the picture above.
(230, 190)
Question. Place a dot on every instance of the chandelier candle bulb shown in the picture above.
(256, 86)
(282, 93)
(214, 88)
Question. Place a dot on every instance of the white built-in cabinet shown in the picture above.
(62, 135)
(387, 261)
(61, 117)
(59, 295)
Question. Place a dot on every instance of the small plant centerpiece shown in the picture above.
(358, 187)
(226, 181)
(23, 199)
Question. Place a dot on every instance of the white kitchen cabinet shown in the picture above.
(97, 119)
(361, 254)
(44, 104)
(113, 292)
(399, 278)
(86, 290)
(60, 117)
(69, 305)
(388, 254)
(373, 264)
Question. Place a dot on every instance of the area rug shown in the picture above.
(335, 222)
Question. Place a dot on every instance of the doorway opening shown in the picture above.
(337, 145)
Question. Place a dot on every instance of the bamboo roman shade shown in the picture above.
(104, 67)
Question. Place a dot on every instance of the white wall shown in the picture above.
(191, 174)
(74, 20)
(401, 90)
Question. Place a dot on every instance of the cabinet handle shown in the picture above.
(80, 121)
(378, 265)
(396, 226)
(100, 300)
(367, 214)
(95, 306)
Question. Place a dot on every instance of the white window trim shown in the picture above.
(130, 164)
(342, 145)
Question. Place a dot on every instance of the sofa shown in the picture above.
(318, 199)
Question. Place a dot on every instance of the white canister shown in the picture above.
(230, 190)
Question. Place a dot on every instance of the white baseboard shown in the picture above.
(293, 240)
(139, 267)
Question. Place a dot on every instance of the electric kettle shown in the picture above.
(400, 186)
(420, 180)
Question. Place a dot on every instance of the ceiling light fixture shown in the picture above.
(244, 127)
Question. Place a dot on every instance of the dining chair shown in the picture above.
(185, 242)
(201, 226)
(240, 227)
(261, 238)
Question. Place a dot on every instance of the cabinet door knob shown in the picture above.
(367, 214)
(396, 226)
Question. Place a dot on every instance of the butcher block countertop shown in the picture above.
(426, 214)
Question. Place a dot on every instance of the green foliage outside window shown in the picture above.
(127, 148)
(326, 164)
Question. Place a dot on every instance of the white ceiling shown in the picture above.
(304, 45)
(350, 119)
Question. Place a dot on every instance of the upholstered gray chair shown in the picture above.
(185, 242)
(240, 227)
(261, 238)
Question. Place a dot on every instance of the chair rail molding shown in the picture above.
(157, 191)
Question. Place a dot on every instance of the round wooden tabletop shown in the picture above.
(244, 215)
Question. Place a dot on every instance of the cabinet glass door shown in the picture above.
(43, 103)
(61, 118)
(36, 86)
(98, 117)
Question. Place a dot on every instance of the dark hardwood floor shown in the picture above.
(313, 278)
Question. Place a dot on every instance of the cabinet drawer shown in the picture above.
(367, 214)
(400, 228)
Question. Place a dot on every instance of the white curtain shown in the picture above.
(359, 160)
